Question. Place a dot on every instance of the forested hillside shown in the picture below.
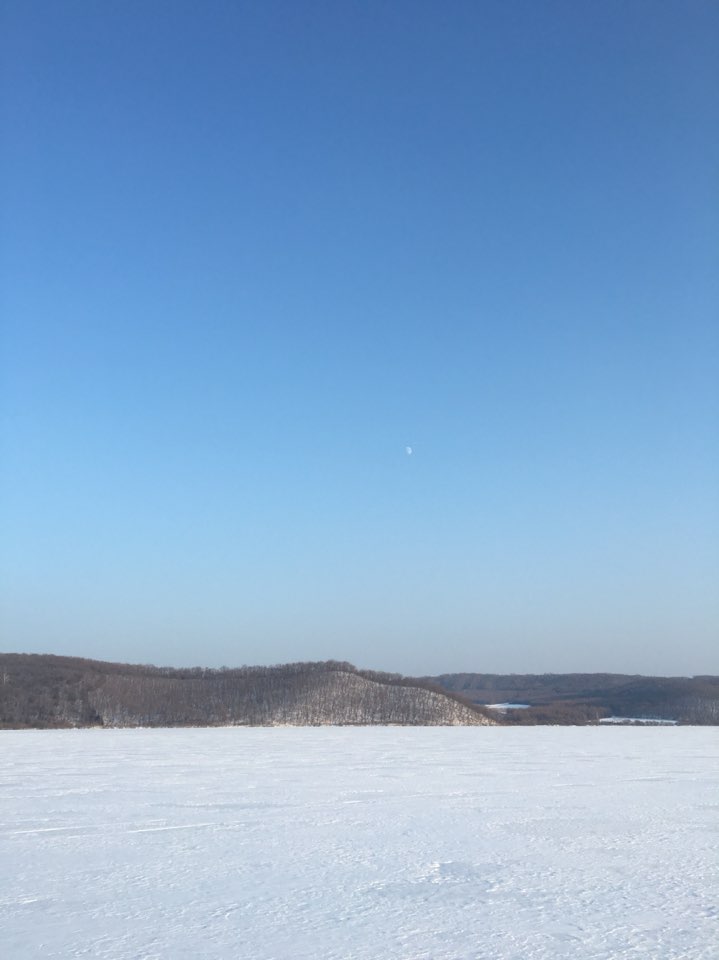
(48, 691)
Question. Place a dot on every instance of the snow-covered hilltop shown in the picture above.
(48, 691)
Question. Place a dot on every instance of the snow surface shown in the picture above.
(360, 843)
(647, 720)
(507, 706)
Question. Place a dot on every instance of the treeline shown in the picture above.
(48, 691)
(581, 698)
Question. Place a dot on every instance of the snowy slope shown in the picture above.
(310, 698)
(360, 844)
(44, 691)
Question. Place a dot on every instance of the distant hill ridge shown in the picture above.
(49, 691)
(570, 698)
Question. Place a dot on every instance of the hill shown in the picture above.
(587, 697)
(49, 691)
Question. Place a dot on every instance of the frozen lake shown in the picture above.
(360, 844)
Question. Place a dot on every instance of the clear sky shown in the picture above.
(252, 252)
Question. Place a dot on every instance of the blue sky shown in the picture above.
(252, 251)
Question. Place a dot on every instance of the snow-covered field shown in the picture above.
(360, 844)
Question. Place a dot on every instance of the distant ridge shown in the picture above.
(44, 691)
(572, 698)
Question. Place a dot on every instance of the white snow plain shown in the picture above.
(370, 843)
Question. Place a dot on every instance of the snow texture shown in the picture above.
(594, 843)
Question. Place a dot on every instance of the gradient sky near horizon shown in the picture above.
(255, 253)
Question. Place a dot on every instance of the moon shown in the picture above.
(408, 451)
